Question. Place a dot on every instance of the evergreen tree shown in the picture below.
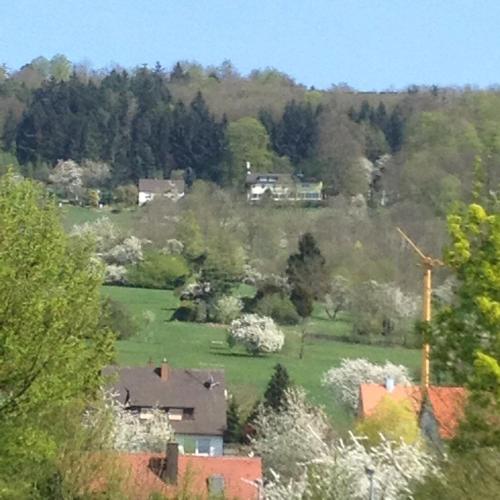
(307, 275)
(276, 388)
(234, 429)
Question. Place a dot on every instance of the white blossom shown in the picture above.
(115, 274)
(259, 334)
(102, 232)
(228, 308)
(67, 175)
(127, 252)
(345, 380)
(173, 247)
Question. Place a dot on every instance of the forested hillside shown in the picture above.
(416, 144)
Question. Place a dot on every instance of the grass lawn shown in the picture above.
(191, 345)
(72, 215)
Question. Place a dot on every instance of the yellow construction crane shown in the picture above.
(428, 263)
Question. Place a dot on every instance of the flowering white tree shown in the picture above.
(259, 334)
(102, 231)
(344, 381)
(340, 470)
(282, 436)
(129, 251)
(67, 177)
(130, 431)
(303, 460)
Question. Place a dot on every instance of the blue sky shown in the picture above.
(370, 44)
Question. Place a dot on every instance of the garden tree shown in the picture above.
(60, 68)
(116, 318)
(189, 233)
(259, 335)
(307, 275)
(303, 459)
(394, 420)
(52, 345)
(274, 396)
(344, 380)
(248, 141)
(228, 308)
(338, 297)
(234, 428)
(281, 437)
(383, 309)
(126, 195)
(471, 322)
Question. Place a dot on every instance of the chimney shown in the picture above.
(248, 168)
(172, 468)
(164, 370)
(389, 384)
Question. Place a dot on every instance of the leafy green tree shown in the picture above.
(471, 322)
(248, 141)
(274, 396)
(51, 346)
(307, 275)
(116, 318)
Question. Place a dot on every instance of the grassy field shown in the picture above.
(72, 215)
(191, 345)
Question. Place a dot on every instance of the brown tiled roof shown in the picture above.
(242, 475)
(447, 403)
(141, 386)
(161, 186)
(280, 178)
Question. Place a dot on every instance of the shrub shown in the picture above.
(117, 318)
(278, 307)
(395, 420)
(158, 271)
(228, 309)
(259, 334)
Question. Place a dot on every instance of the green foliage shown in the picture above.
(116, 318)
(307, 276)
(396, 420)
(481, 426)
(234, 429)
(248, 142)
(158, 270)
(51, 344)
(471, 322)
(278, 307)
(274, 396)
(126, 195)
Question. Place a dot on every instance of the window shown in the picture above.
(203, 446)
(216, 485)
(175, 413)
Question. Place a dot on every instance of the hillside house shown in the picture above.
(195, 401)
(152, 188)
(283, 187)
(194, 476)
(439, 413)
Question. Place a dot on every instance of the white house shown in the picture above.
(151, 188)
(282, 187)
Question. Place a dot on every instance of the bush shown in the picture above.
(228, 309)
(259, 334)
(117, 318)
(158, 271)
(278, 307)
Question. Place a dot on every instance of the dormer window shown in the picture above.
(175, 413)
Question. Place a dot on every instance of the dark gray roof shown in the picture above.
(280, 178)
(161, 186)
(141, 386)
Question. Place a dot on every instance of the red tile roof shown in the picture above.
(242, 475)
(447, 403)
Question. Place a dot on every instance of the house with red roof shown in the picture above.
(438, 409)
(197, 477)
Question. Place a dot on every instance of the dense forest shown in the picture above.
(416, 144)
